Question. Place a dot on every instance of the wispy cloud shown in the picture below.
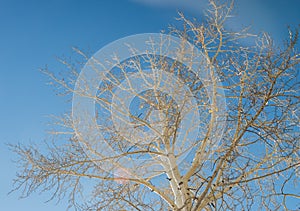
(268, 15)
(192, 6)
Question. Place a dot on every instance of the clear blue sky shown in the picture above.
(34, 32)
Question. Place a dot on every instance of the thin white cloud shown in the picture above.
(193, 6)
(265, 16)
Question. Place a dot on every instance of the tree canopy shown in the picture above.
(199, 121)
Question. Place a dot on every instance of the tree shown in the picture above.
(208, 125)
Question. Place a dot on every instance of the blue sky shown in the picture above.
(34, 32)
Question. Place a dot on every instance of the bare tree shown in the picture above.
(211, 124)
